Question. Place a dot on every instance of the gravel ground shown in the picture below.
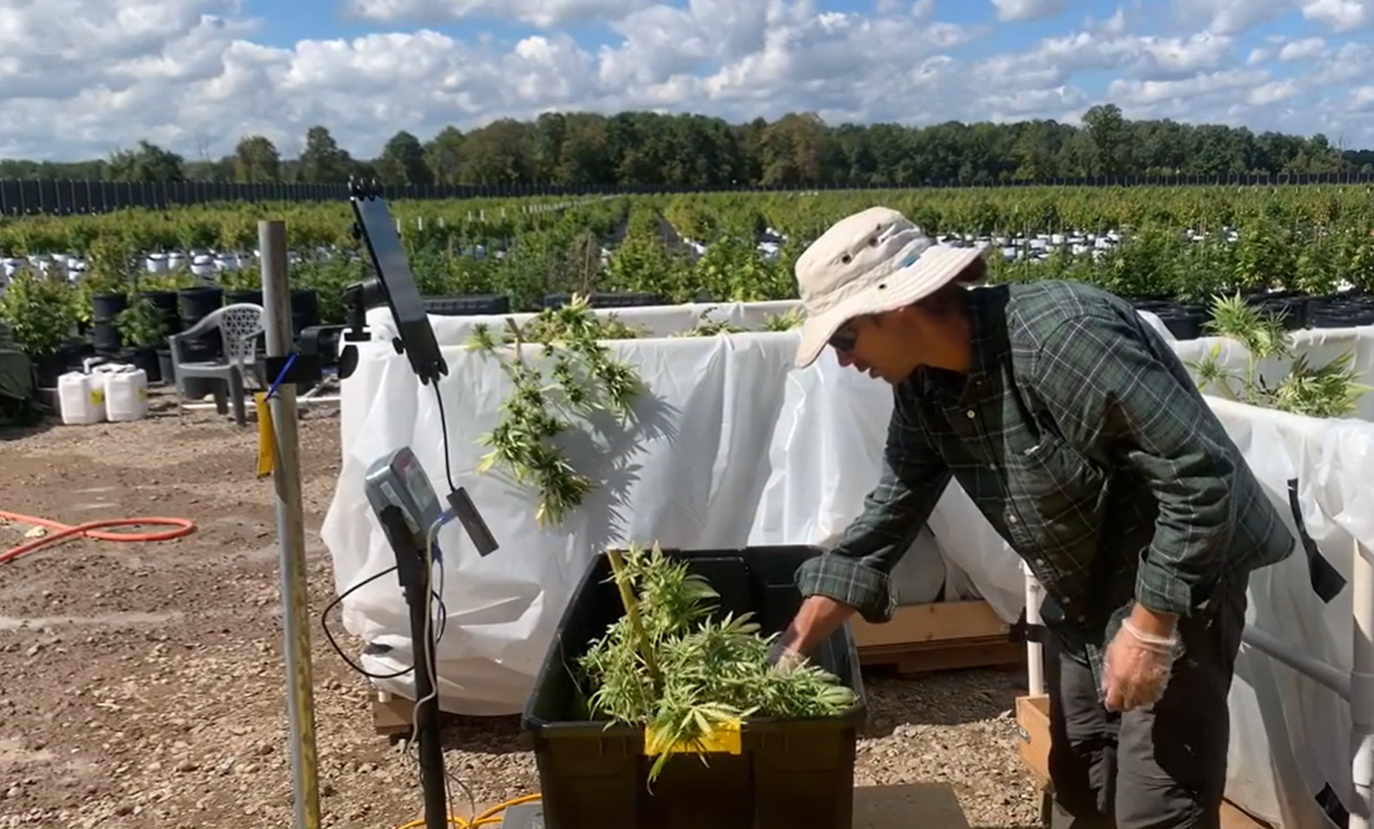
(143, 683)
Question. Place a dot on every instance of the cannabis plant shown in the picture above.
(680, 670)
(561, 374)
(786, 321)
(1327, 391)
(707, 327)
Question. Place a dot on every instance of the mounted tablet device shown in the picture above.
(393, 286)
(398, 489)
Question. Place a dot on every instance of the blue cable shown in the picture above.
(435, 553)
(281, 375)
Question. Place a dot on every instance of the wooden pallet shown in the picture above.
(391, 715)
(1033, 716)
(940, 636)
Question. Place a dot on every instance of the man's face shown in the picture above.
(874, 344)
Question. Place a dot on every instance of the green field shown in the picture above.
(1186, 242)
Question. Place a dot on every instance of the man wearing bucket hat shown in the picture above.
(1077, 432)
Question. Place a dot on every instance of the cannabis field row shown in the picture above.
(1184, 242)
(1014, 211)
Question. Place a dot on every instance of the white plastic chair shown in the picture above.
(239, 326)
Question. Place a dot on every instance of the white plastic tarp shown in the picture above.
(1289, 734)
(693, 475)
(736, 448)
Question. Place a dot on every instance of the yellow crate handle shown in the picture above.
(725, 738)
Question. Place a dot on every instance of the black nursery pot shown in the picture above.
(305, 309)
(48, 367)
(1291, 309)
(237, 297)
(104, 334)
(1184, 321)
(165, 368)
(166, 303)
(198, 303)
(105, 307)
(146, 358)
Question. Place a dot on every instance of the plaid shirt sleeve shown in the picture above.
(1115, 398)
(856, 572)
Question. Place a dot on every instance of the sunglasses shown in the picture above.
(844, 338)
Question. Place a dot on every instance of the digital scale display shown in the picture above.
(398, 479)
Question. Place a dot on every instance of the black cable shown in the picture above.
(443, 434)
(338, 600)
(452, 488)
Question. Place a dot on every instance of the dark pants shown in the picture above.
(1162, 767)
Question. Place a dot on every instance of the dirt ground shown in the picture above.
(141, 684)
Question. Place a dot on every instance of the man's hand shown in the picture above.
(815, 621)
(1136, 667)
(782, 657)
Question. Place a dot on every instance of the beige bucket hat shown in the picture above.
(867, 263)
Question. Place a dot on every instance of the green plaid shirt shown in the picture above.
(1082, 439)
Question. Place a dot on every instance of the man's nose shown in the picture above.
(848, 359)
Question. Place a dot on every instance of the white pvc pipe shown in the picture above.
(200, 407)
(1362, 686)
(1308, 666)
(1035, 662)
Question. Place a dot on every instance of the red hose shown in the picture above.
(92, 529)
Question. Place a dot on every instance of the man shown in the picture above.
(1076, 430)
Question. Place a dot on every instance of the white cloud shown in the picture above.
(1229, 17)
(1022, 10)
(1341, 15)
(79, 78)
(1306, 49)
(1233, 17)
(542, 13)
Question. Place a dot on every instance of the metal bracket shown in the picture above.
(1023, 631)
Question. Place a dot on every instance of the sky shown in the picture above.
(83, 78)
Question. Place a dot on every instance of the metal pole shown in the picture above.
(300, 703)
(1362, 686)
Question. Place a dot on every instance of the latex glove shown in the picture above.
(1136, 668)
(781, 657)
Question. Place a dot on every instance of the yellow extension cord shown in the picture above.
(490, 817)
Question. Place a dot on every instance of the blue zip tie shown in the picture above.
(276, 384)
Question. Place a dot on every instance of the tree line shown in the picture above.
(647, 150)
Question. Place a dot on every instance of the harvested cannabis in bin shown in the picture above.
(685, 673)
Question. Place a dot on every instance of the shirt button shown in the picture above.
(1068, 601)
(1082, 619)
(969, 414)
(1012, 519)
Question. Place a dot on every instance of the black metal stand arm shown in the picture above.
(414, 575)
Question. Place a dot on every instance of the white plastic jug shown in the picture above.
(80, 398)
(126, 394)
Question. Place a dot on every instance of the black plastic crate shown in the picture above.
(789, 773)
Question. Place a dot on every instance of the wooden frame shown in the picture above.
(1033, 717)
(939, 636)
